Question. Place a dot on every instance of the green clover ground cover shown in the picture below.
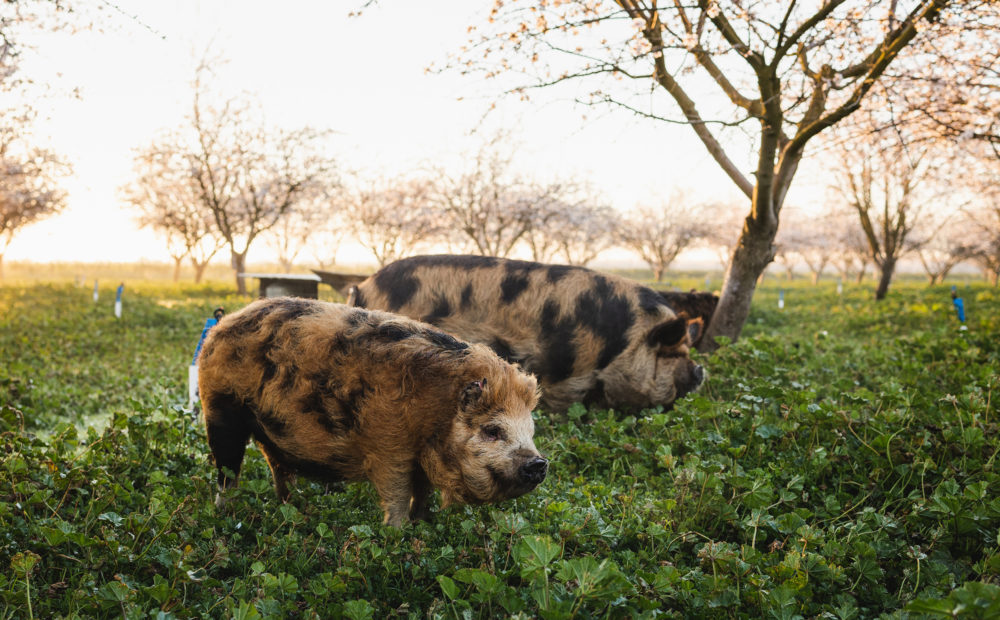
(841, 462)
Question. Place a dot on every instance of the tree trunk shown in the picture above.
(658, 274)
(239, 261)
(887, 268)
(199, 270)
(944, 272)
(177, 268)
(861, 273)
(815, 278)
(754, 252)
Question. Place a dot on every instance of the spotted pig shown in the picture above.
(588, 337)
(340, 393)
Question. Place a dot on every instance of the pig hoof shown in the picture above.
(421, 515)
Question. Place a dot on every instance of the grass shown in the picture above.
(840, 462)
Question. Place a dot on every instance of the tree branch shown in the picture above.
(926, 10)
(664, 79)
(650, 115)
(884, 54)
(803, 28)
(753, 106)
(755, 59)
(784, 22)
(687, 105)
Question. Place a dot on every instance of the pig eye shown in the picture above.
(492, 433)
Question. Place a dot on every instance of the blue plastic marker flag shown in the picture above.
(95, 291)
(209, 324)
(781, 299)
(118, 301)
(959, 304)
(193, 368)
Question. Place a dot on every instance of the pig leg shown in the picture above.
(227, 430)
(282, 476)
(395, 486)
(421, 492)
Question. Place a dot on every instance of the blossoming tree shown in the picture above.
(783, 71)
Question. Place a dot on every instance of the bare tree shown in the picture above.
(879, 184)
(943, 241)
(939, 256)
(249, 176)
(493, 208)
(981, 218)
(393, 218)
(539, 238)
(167, 198)
(818, 253)
(570, 221)
(809, 240)
(188, 234)
(29, 186)
(330, 231)
(954, 99)
(987, 251)
(850, 256)
(659, 234)
(307, 225)
(788, 71)
(785, 256)
(288, 238)
(588, 231)
(278, 169)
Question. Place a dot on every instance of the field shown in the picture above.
(840, 462)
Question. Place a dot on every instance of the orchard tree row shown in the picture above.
(882, 216)
(878, 94)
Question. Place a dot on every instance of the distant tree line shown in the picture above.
(224, 179)
(484, 208)
(898, 130)
(886, 206)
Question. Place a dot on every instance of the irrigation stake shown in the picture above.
(118, 301)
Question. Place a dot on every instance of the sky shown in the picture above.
(310, 63)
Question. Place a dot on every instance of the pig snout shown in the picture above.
(533, 472)
(693, 379)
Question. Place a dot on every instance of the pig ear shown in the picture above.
(670, 333)
(472, 392)
(694, 329)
